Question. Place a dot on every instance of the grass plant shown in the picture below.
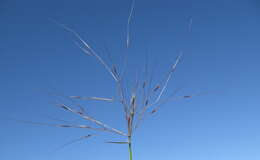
(145, 98)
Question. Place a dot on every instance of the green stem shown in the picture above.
(130, 151)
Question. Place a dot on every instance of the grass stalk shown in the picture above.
(130, 149)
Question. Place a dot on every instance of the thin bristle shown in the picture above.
(169, 77)
(118, 142)
(92, 98)
(73, 141)
(87, 48)
(128, 24)
(97, 122)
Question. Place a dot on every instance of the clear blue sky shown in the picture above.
(221, 54)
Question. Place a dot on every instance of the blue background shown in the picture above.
(221, 55)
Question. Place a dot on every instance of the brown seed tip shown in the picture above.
(63, 106)
(153, 111)
(146, 102)
(144, 84)
(64, 125)
(156, 88)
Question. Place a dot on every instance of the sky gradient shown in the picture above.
(220, 55)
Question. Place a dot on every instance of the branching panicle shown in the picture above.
(145, 96)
